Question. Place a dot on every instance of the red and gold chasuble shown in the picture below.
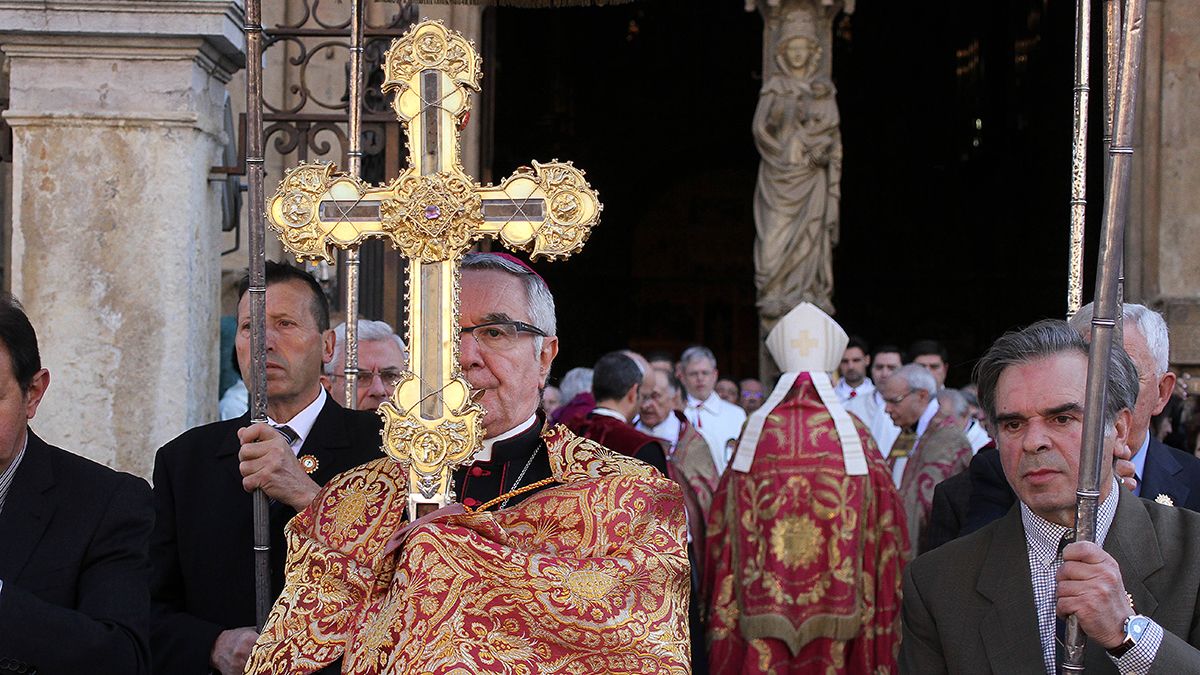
(590, 576)
(804, 561)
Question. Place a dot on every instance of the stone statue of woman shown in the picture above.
(796, 198)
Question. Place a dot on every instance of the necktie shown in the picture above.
(698, 408)
(288, 433)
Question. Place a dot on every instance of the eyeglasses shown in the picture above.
(389, 376)
(898, 399)
(501, 336)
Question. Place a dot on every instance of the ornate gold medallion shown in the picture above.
(796, 541)
(309, 463)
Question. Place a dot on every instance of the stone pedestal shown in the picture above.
(116, 109)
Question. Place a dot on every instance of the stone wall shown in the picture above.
(1163, 243)
(117, 118)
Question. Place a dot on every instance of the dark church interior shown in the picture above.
(956, 122)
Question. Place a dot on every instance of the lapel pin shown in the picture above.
(310, 464)
(1165, 500)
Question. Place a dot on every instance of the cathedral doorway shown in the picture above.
(955, 127)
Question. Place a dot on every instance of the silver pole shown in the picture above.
(258, 294)
(354, 168)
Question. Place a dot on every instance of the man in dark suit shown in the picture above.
(201, 550)
(988, 602)
(1162, 472)
(616, 384)
(1159, 472)
(73, 537)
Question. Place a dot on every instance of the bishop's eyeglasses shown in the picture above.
(501, 336)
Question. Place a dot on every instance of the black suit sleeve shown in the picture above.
(991, 495)
(182, 642)
(108, 633)
(950, 498)
(652, 454)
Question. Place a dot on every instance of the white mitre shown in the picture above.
(806, 340)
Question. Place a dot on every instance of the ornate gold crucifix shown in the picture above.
(432, 212)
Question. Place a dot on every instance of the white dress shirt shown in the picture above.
(1139, 464)
(667, 430)
(302, 423)
(719, 422)
(977, 436)
(845, 392)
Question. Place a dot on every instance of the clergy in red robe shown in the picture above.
(689, 458)
(562, 556)
(806, 538)
(616, 383)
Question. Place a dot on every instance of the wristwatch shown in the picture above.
(1135, 628)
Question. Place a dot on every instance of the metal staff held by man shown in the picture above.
(1083, 57)
(354, 168)
(258, 295)
(1104, 321)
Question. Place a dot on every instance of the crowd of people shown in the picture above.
(644, 514)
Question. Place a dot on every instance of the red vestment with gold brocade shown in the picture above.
(588, 576)
(804, 562)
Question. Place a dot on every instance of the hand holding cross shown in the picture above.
(432, 212)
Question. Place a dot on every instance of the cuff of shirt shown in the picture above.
(1140, 657)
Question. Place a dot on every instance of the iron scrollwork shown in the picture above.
(308, 123)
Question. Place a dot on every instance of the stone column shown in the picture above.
(797, 131)
(116, 109)
(1163, 244)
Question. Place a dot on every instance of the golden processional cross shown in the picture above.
(432, 212)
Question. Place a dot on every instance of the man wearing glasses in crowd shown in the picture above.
(382, 356)
(548, 516)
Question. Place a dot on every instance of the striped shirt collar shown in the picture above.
(6, 478)
(1043, 536)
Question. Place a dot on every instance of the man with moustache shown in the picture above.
(988, 602)
(201, 550)
(1156, 470)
